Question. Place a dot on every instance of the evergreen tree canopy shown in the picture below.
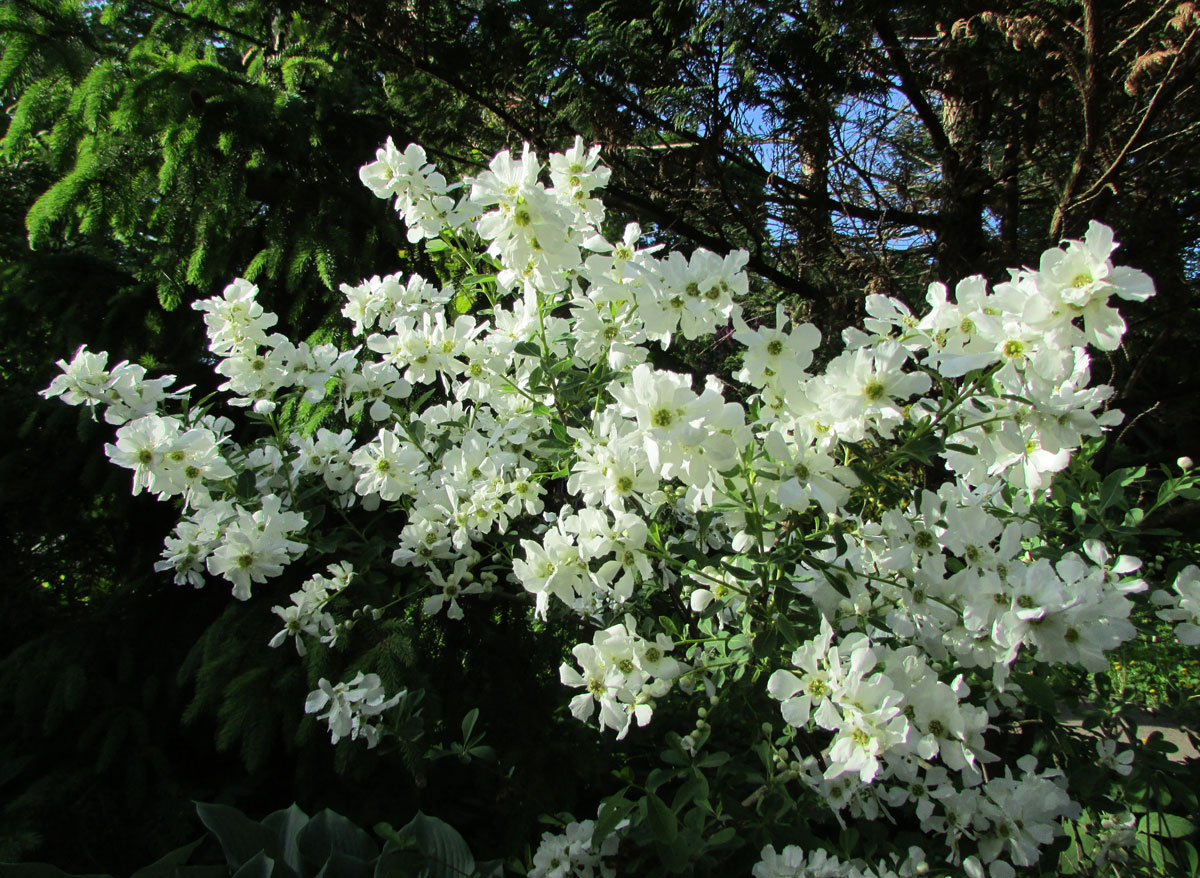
(153, 150)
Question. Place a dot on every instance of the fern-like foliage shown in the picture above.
(213, 139)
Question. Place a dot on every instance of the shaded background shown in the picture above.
(152, 151)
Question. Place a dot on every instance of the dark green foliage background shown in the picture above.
(152, 151)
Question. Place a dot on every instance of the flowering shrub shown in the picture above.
(851, 556)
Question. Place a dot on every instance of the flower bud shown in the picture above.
(1185, 463)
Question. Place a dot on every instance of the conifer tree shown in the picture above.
(153, 150)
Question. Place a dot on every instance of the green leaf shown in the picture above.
(713, 760)
(848, 841)
(165, 866)
(443, 847)
(720, 837)
(741, 573)
(1038, 690)
(259, 866)
(1111, 489)
(1166, 825)
(436, 245)
(239, 836)
(328, 833)
(962, 449)
(391, 837)
(468, 723)
(765, 643)
(528, 349)
(664, 826)
(923, 448)
(693, 790)
(1192, 858)
(675, 854)
(39, 870)
(479, 279)
(341, 865)
(395, 863)
(612, 811)
(286, 825)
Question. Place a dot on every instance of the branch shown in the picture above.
(688, 139)
(206, 22)
(1151, 109)
(667, 220)
(1087, 86)
(886, 214)
(911, 90)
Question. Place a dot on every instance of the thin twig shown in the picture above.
(1151, 109)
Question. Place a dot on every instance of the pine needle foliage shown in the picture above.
(152, 151)
(216, 139)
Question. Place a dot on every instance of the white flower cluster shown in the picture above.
(622, 673)
(795, 862)
(352, 706)
(422, 195)
(233, 542)
(307, 613)
(1008, 819)
(1184, 606)
(887, 708)
(1035, 408)
(258, 365)
(951, 573)
(900, 735)
(569, 854)
(904, 739)
(169, 459)
(535, 433)
(1011, 819)
(124, 391)
(1117, 834)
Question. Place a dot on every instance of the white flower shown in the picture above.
(389, 466)
(570, 854)
(774, 356)
(662, 403)
(552, 568)
(460, 582)
(1081, 278)
(256, 547)
(1121, 763)
(123, 390)
(351, 706)
(234, 319)
(794, 862)
(618, 668)
(306, 615)
(811, 691)
(1185, 607)
(869, 385)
